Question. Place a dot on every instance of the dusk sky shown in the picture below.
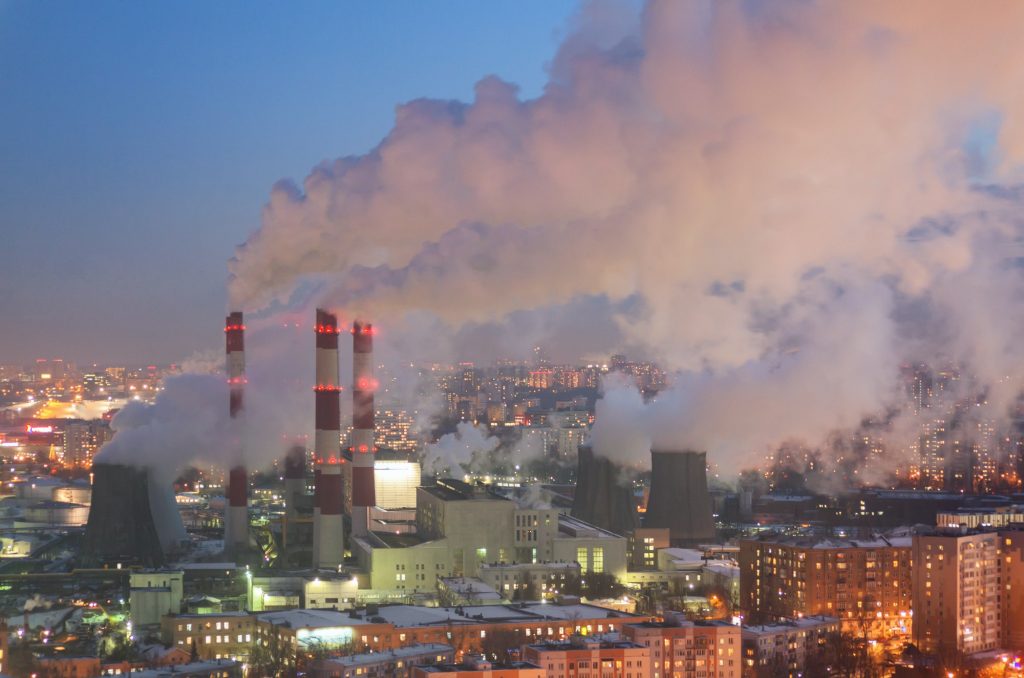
(139, 142)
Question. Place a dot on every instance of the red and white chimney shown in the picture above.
(363, 446)
(236, 514)
(328, 528)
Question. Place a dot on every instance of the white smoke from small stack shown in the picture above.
(189, 424)
(471, 448)
(737, 181)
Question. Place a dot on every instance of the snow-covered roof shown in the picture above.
(371, 658)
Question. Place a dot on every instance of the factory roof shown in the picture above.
(51, 504)
(878, 541)
(727, 568)
(542, 611)
(473, 666)
(607, 642)
(206, 566)
(450, 489)
(529, 566)
(211, 614)
(682, 623)
(181, 670)
(471, 587)
(411, 615)
(798, 624)
(395, 541)
(574, 527)
(370, 658)
(684, 555)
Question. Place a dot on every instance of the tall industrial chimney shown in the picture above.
(294, 479)
(328, 528)
(236, 514)
(679, 496)
(363, 447)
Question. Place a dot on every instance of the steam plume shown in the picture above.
(777, 198)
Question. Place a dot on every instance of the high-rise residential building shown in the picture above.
(82, 439)
(396, 430)
(591, 656)
(688, 649)
(957, 591)
(569, 440)
(931, 451)
(862, 582)
(787, 648)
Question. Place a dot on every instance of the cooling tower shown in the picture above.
(363, 442)
(328, 526)
(679, 496)
(603, 496)
(121, 527)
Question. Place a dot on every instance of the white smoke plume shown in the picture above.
(472, 448)
(776, 198)
(457, 452)
(189, 421)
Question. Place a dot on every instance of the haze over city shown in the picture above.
(700, 315)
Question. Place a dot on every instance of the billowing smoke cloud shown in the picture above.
(472, 448)
(189, 422)
(784, 200)
(457, 452)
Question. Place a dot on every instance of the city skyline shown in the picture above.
(642, 339)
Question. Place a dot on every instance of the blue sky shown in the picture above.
(139, 140)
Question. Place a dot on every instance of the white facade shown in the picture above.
(153, 595)
(395, 482)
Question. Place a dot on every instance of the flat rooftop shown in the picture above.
(574, 527)
(450, 489)
(488, 666)
(407, 652)
(407, 616)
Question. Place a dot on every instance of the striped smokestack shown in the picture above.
(328, 529)
(363, 448)
(236, 515)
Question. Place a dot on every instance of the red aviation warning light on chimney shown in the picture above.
(328, 526)
(236, 515)
(363, 443)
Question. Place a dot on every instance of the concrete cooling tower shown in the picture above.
(679, 498)
(603, 496)
(130, 521)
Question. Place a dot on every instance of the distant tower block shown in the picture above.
(328, 526)
(236, 515)
(363, 441)
(679, 496)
